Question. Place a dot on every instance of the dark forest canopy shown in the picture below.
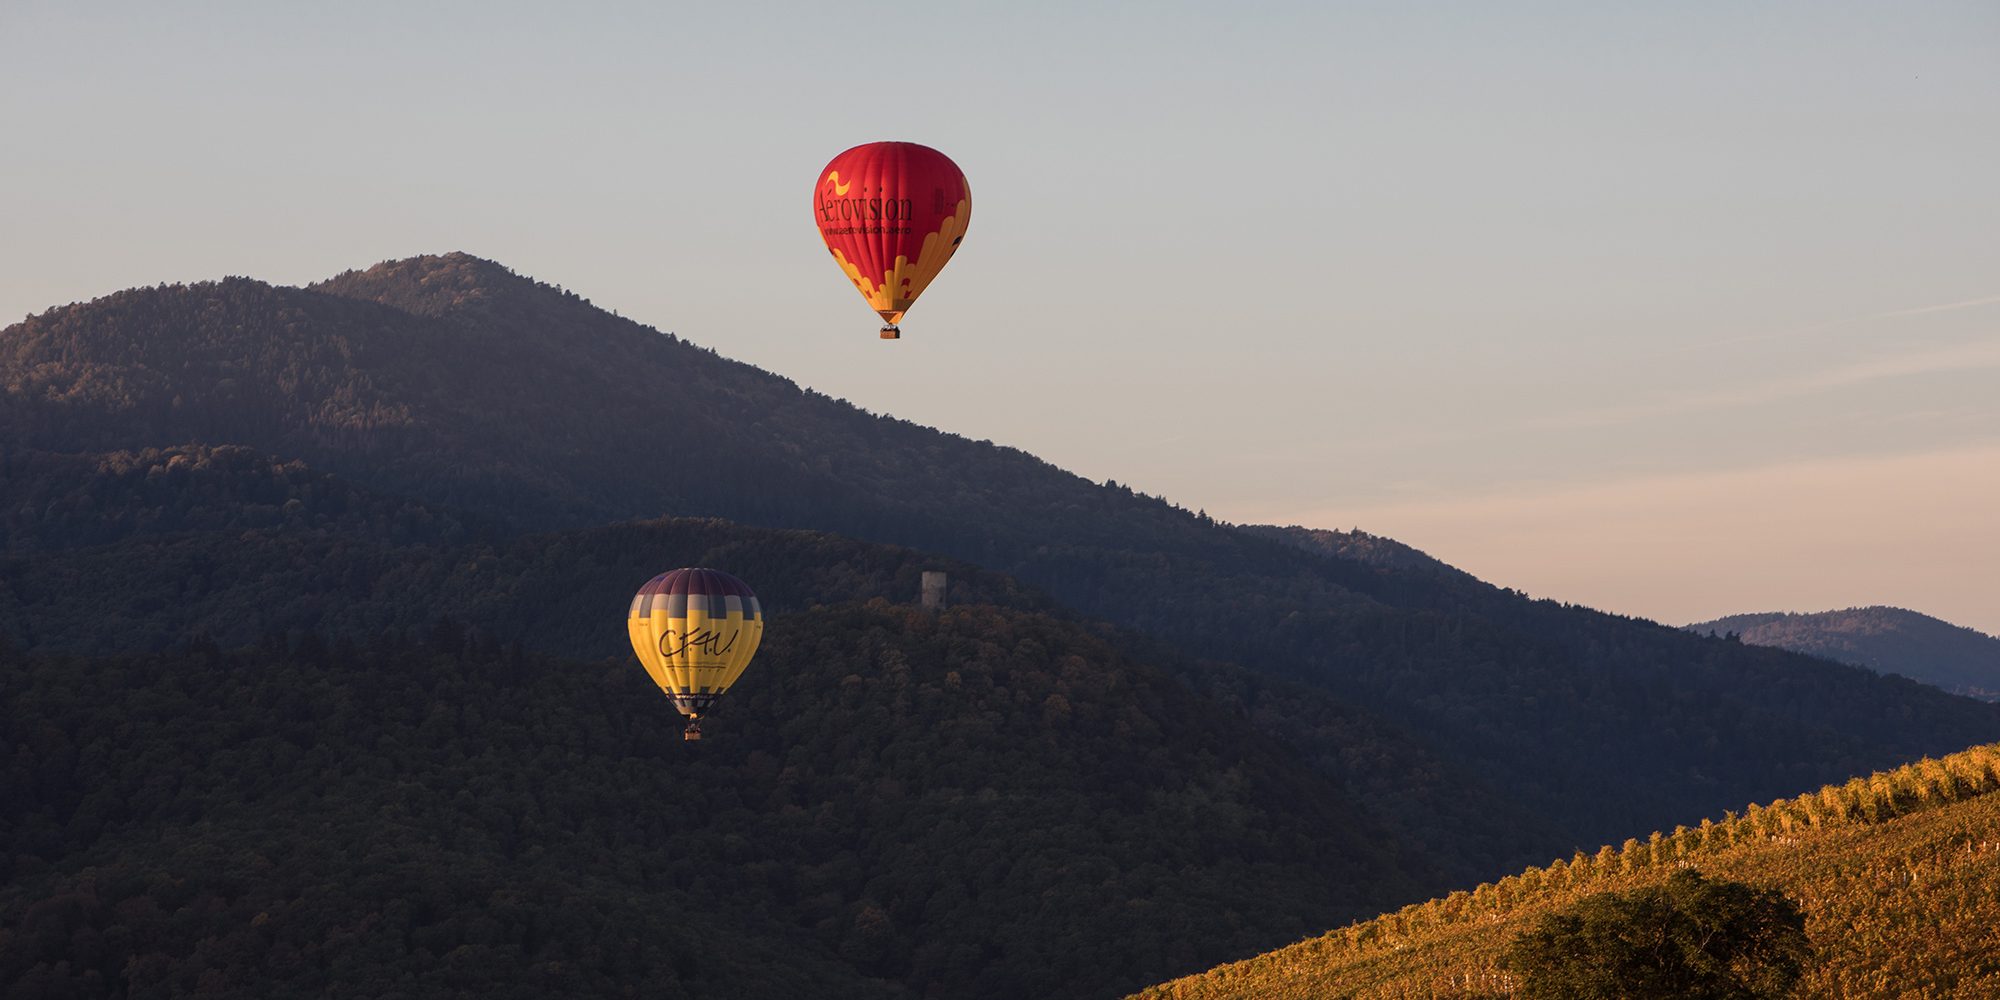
(311, 555)
(978, 803)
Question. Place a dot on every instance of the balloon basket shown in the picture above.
(692, 734)
(892, 332)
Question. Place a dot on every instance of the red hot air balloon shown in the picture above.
(892, 213)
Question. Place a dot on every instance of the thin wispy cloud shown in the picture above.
(1956, 358)
(1818, 328)
(1990, 300)
(1977, 356)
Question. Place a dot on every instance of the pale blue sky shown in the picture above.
(1497, 280)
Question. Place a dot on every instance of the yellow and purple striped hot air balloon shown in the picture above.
(695, 630)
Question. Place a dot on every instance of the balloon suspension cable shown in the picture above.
(892, 332)
(693, 731)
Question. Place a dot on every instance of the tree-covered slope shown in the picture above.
(227, 545)
(1897, 875)
(454, 384)
(983, 802)
(1890, 640)
(52, 503)
(230, 547)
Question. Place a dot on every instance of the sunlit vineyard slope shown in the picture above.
(1897, 873)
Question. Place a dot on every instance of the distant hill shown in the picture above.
(1895, 873)
(1888, 640)
(460, 439)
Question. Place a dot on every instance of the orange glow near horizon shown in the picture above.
(1916, 531)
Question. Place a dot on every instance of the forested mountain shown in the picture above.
(438, 437)
(1894, 873)
(1890, 640)
(984, 802)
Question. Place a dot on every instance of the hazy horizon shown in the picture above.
(1676, 313)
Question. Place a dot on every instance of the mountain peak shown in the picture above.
(431, 284)
(1360, 546)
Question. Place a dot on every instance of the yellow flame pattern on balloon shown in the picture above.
(907, 279)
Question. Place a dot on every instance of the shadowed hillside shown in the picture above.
(979, 803)
(233, 548)
(1888, 640)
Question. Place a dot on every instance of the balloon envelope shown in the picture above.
(892, 214)
(694, 631)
